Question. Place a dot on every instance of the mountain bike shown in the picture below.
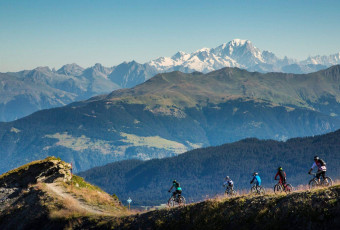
(257, 190)
(176, 201)
(229, 191)
(279, 187)
(323, 182)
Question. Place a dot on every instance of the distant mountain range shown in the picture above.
(175, 112)
(25, 92)
(242, 54)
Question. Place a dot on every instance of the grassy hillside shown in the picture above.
(44, 195)
(318, 209)
(180, 90)
(201, 171)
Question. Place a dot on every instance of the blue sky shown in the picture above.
(52, 33)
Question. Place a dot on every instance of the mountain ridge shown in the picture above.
(176, 112)
(45, 195)
(43, 88)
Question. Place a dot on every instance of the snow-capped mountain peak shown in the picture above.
(238, 42)
(203, 50)
(180, 55)
(238, 53)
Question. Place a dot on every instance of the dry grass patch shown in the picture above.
(68, 208)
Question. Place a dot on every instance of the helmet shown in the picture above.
(174, 181)
(316, 158)
(227, 177)
(255, 173)
(280, 168)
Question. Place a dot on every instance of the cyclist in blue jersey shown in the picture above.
(256, 179)
(178, 188)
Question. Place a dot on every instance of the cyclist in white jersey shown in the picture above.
(321, 165)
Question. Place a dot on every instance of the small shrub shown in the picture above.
(115, 196)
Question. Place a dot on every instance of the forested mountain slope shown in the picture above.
(201, 172)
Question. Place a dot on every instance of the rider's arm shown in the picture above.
(171, 188)
(252, 180)
(311, 169)
(276, 175)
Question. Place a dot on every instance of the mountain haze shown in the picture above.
(28, 91)
(172, 113)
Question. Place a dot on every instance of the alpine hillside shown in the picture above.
(172, 113)
(45, 195)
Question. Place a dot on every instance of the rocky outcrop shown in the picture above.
(17, 181)
(48, 170)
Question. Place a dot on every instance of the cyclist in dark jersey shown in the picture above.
(178, 188)
(282, 176)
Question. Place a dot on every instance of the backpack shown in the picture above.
(322, 162)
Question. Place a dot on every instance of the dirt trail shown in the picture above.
(59, 190)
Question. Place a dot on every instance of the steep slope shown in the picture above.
(175, 112)
(130, 74)
(201, 171)
(44, 195)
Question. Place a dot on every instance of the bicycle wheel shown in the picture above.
(277, 188)
(288, 188)
(171, 202)
(253, 190)
(226, 192)
(181, 200)
(233, 192)
(327, 182)
(313, 183)
(262, 191)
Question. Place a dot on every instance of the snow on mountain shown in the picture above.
(236, 53)
(243, 54)
(333, 59)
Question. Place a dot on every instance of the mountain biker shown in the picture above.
(257, 179)
(177, 187)
(321, 164)
(282, 176)
(228, 183)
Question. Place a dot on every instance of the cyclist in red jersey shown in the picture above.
(282, 176)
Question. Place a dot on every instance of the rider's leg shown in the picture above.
(174, 194)
(318, 174)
